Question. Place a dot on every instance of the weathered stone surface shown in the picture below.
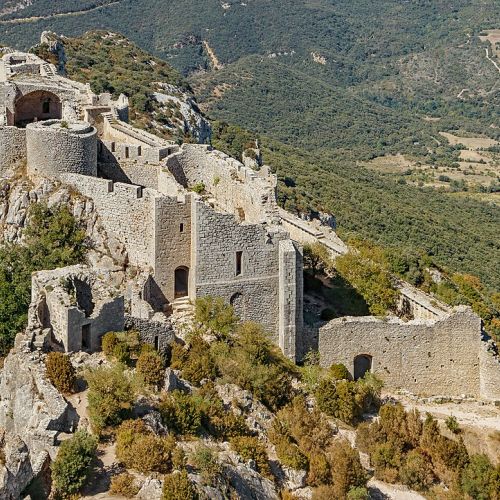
(150, 490)
(33, 413)
(174, 383)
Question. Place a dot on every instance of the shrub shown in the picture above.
(205, 460)
(215, 314)
(138, 448)
(452, 424)
(60, 372)
(71, 467)
(347, 471)
(124, 485)
(181, 412)
(150, 367)
(108, 343)
(250, 448)
(197, 363)
(178, 458)
(317, 258)
(198, 188)
(416, 471)
(289, 453)
(110, 396)
(177, 486)
(358, 493)
(480, 480)
(121, 352)
(339, 371)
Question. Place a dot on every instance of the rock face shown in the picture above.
(33, 414)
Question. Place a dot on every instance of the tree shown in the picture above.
(177, 486)
(317, 258)
(480, 480)
(71, 467)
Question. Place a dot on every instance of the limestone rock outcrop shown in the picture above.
(34, 415)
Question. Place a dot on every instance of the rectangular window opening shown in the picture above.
(85, 337)
(239, 256)
(157, 342)
(181, 227)
(127, 154)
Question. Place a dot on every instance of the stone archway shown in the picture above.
(362, 365)
(37, 106)
(181, 282)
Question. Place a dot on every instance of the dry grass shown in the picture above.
(473, 143)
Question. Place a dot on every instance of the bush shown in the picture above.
(121, 352)
(339, 371)
(108, 343)
(216, 315)
(416, 471)
(205, 460)
(452, 424)
(71, 467)
(289, 453)
(177, 486)
(181, 412)
(195, 364)
(151, 368)
(124, 485)
(358, 493)
(347, 471)
(110, 396)
(250, 448)
(138, 448)
(480, 480)
(60, 372)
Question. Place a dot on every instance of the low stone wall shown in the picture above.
(489, 366)
(159, 335)
(12, 149)
(424, 357)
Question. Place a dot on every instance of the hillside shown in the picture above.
(330, 87)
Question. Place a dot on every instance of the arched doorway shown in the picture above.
(38, 105)
(362, 365)
(181, 282)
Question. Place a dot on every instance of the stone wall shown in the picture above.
(172, 236)
(291, 289)
(53, 149)
(130, 172)
(427, 358)
(489, 366)
(12, 149)
(254, 292)
(126, 212)
(236, 189)
(160, 335)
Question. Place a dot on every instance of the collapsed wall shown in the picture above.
(423, 357)
(249, 195)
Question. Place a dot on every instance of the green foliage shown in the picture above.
(416, 471)
(177, 486)
(358, 493)
(338, 371)
(480, 480)
(60, 372)
(216, 315)
(255, 364)
(138, 448)
(198, 188)
(206, 461)
(72, 465)
(250, 448)
(110, 396)
(452, 424)
(317, 258)
(195, 363)
(53, 239)
(370, 278)
(181, 412)
(151, 368)
(108, 343)
(347, 400)
(124, 485)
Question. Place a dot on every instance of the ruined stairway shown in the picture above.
(182, 312)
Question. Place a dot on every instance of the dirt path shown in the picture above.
(33, 19)
(380, 491)
(216, 64)
(491, 60)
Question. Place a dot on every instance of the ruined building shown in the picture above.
(195, 222)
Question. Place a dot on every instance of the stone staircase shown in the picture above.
(182, 312)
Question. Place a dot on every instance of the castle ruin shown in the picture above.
(197, 223)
